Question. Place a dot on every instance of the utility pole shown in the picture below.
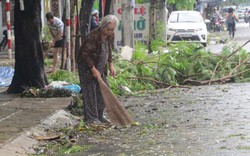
(9, 28)
(68, 43)
(128, 23)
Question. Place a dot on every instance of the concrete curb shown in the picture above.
(22, 145)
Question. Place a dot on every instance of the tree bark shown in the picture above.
(163, 16)
(73, 34)
(29, 61)
(107, 7)
(127, 23)
(55, 8)
(85, 17)
(78, 33)
(63, 60)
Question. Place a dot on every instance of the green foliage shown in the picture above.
(63, 75)
(182, 61)
(46, 34)
(48, 62)
(73, 149)
(159, 40)
(183, 4)
(141, 1)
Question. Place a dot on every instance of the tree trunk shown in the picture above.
(29, 61)
(73, 34)
(107, 7)
(127, 23)
(55, 8)
(85, 17)
(78, 33)
(63, 60)
(163, 16)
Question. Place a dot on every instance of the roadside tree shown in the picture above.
(183, 5)
(29, 61)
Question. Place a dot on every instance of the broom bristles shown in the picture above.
(117, 114)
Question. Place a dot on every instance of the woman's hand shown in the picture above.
(112, 69)
(95, 72)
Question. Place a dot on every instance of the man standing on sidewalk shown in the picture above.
(56, 27)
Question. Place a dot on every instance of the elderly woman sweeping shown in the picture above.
(94, 60)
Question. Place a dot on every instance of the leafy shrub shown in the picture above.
(46, 34)
(63, 75)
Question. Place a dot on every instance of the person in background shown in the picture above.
(245, 15)
(94, 58)
(94, 20)
(231, 20)
(216, 13)
(248, 18)
(56, 27)
(208, 12)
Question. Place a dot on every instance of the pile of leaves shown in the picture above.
(181, 64)
(48, 92)
(64, 140)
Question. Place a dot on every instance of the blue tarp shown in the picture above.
(6, 75)
(74, 88)
(63, 84)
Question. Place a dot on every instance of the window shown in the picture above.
(185, 17)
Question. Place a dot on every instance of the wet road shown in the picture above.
(200, 121)
(242, 35)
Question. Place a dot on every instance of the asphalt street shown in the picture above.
(242, 35)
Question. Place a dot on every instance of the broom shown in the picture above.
(117, 114)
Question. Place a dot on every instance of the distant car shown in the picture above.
(225, 10)
(240, 14)
(186, 26)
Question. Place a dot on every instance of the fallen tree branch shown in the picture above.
(143, 62)
(241, 72)
(215, 69)
(157, 82)
(150, 79)
(187, 76)
(217, 65)
(223, 79)
(238, 66)
(237, 49)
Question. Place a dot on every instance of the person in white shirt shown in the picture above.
(56, 27)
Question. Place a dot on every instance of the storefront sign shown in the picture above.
(141, 24)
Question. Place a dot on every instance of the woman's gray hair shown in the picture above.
(108, 19)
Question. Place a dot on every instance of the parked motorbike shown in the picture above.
(217, 23)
